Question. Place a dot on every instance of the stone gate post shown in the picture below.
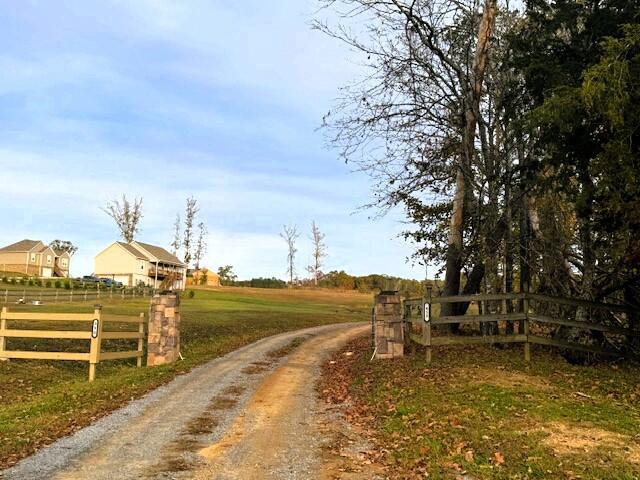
(163, 345)
(388, 328)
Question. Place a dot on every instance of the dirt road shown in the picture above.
(251, 414)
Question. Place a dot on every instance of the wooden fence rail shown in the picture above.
(50, 295)
(524, 317)
(94, 334)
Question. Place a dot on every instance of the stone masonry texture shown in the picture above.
(163, 344)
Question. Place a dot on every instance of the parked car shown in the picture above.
(89, 279)
(109, 283)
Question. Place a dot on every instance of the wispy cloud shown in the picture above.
(162, 100)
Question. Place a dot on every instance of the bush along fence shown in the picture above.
(18, 296)
(91, 328)
(525, 318)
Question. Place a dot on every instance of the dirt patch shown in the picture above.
(567, 439)
(253, 369)
(277, 435)
(201, 425)
(234, 390)
(349, 453)
(287, 349)
(222, 403)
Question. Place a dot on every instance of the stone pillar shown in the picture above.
(163, 345)
(388, 328)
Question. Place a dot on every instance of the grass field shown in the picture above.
(484, 413)
(41, 401)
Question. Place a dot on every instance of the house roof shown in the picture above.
(21, 246)
(133, 250)
(206, 271)
(159, 253)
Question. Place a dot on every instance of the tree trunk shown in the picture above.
(583, 314)
(508, 248)
(474, 280)
(471, 109)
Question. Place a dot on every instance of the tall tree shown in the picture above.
(227, 277)
(191, 211)
(63, 246)
(177, 242)
(411, 124)
(290, 235)
(318, 254)
(201, 245)
(127, 216)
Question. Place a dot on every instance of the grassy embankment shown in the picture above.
(484, 413)
(41, 401)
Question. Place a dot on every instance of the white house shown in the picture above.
(138, 263)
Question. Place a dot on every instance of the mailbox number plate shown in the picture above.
(427, 312)
(94, 329)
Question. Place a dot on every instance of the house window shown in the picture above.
(48, 259)
(33, 257)
(64, 262)
(141, 265)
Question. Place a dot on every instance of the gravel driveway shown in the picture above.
(247, 415)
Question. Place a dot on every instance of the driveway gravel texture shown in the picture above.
(251, 414)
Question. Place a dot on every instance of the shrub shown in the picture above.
(47, 284)
(67, 285)
(22, 281)
(13, 281)
(57, 284)
(38, 282)
(5, 280)
(191, 294)
(30, 282)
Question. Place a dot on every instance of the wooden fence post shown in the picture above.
(426, 328)
(141, 339)
(71, 296)
(96, 341)
(3, 327)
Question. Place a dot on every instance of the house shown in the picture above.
(34, 258)
(204, 276)
(138, 263)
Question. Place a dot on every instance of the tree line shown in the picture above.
(508, 136)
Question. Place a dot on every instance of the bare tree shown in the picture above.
(411, 123)
(201, 246)
(290, 235)
(127, 216)
(319, 252)
(176, 243)
(63, 246)
(189, 217)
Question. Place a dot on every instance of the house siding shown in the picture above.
(114, 262)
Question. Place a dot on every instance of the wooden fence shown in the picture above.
(91, 327)
(45, 295)
(533, 309)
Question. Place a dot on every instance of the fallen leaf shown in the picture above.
(468, 456)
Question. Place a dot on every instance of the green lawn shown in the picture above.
(41, 401)
(484, 412)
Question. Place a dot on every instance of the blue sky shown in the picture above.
(164, 99)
